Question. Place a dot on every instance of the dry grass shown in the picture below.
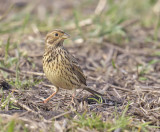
(117, 46)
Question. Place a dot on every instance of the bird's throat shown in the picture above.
(54, 45)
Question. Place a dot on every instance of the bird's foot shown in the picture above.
(42, 101)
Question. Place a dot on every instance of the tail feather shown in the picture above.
(92, 91)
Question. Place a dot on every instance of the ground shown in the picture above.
(117, 44)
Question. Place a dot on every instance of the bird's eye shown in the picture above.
(56, 34)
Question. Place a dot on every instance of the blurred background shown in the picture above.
(129, 24)
(97, 18)
(117, 43)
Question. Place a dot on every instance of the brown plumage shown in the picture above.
(60, 67)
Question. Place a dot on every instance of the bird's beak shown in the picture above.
(65, 36)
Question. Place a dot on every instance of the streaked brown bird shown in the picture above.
(60, 67)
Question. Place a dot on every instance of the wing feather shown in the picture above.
(77, 69)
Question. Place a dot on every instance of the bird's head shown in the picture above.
(55, 38)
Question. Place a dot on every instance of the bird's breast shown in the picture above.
(58, 70)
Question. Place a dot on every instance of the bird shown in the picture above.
(60, 67)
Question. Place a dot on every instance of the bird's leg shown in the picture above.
(73, 95)
(47, 99)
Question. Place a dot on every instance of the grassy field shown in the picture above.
(117, 43)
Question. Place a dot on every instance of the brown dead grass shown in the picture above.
(123, 72)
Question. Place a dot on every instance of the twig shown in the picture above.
(116, 93)
(7, 70)
(22, 105)
(132, 52)
(109, 56)
(24, 72)
(60, 115)
(33, 73)
(35, 55)
(153, 78)
(116, 87)
(28, 109)
(129, 53)
(100, 7)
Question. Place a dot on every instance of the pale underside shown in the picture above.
(64, 71)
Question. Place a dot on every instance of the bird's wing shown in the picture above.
(77, 69)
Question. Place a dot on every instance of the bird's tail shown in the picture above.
(92, 91)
